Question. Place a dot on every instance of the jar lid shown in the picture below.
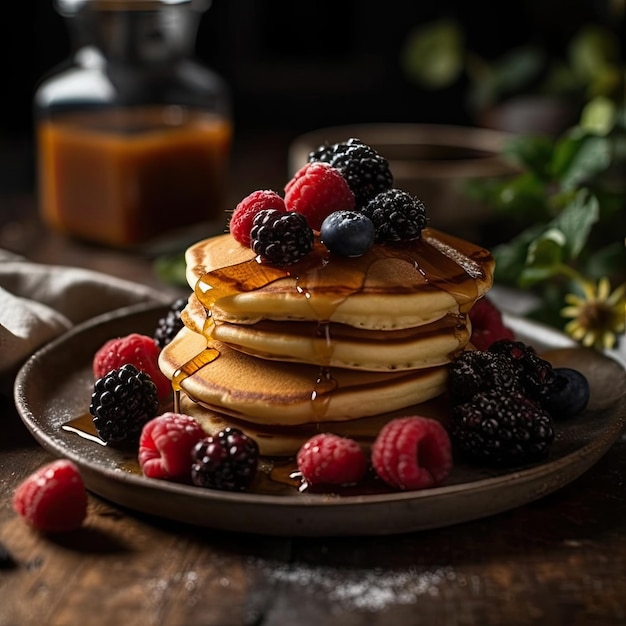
(72, 7)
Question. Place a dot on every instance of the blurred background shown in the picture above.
(294, 66)
(548, 73)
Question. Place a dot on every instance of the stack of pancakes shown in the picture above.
(329, 344)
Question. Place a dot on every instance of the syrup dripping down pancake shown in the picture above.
(389, 287)
(286, 394)
(285, 441)
(338, 345)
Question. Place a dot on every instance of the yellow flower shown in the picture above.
(599, 316)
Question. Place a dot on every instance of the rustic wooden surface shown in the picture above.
(560, 560)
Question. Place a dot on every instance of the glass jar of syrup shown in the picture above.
(133, 134)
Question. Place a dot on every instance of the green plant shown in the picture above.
(569, 205)
(435, 56)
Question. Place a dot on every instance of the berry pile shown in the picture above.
(125, 404)
(243, 216)
(139, 350)
(366, 172)
(504, 401)
(409, 453)
(345, 193)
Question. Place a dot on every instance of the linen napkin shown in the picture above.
(40, 302)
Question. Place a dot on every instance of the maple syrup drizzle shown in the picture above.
(442, 261)
(84, 427)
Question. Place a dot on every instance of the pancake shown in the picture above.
(389, 287)
(338, 345)
(287, 440)
(286, 394)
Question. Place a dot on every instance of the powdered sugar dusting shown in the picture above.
(353, 588)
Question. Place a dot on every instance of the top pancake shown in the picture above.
(389, 287)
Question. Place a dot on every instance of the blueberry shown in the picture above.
(347, 233)
(568, 395)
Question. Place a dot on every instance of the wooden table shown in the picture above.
(559, 560)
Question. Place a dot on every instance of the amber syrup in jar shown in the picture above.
(133, 137)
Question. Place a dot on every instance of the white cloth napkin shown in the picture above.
(40, 302)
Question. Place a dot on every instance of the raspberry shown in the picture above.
(475, 371)
(169, 325)
(332, 460)
(347, 233)
(316, 191)
(281, 238)
(165, 446)
(412, 453)
(366, 172)
(225, 461)
(397, 215)
(487, 325)
(123, 400)
(139, 350)
(52, 499)
(536, 374)
(243, 215)
(501, 429)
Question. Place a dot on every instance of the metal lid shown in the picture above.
(72, 7)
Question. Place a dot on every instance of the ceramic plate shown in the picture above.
(55, 385)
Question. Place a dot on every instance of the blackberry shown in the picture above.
(169, 325)
(475, 371)
(280, 238)
(397, 215)
(536, 374)
(225, 461)
(501, 429)
(366, 172)
(123, 400)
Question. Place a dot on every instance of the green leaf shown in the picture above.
(510, 257)
(510, 260)
(576, 221)
(544, 257)
(433, 54)
(598, 116)
(171, 268)
(516, 69)
(547, 250)
(530, 276)
(524, 197)
(533, 153)
(591, 49)
(578, 157)
(608, 261)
